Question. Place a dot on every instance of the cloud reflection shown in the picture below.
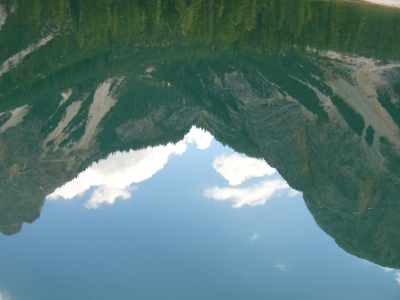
(280, 267)
(253, 238)
(396, 273)
(113, 177)
(387, 270)
(199, 136)
(257, 194)
(237, 168)
(4, 296)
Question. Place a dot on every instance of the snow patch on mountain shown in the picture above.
(361, 94)
(65, 96)
(16, 117)
(104, 100)
(3, 15)
(57, 135)
(14, 60)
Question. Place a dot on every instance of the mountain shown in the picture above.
(311, 87)
(328, 123)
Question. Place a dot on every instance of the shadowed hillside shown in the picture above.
(279, 80)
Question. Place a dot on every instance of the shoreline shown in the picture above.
(390, 3)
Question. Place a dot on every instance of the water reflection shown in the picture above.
(237, 168)
(112, 178)
(254, 195)
(312, 88)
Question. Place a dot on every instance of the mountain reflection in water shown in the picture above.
(310, 87)
(114, 176)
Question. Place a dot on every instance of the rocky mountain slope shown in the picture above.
(329, 124)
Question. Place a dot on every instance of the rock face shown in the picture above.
(350, 181)
(329, 125)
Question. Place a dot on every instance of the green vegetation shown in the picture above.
(264, 25)
(392, 159)
(353, 119)
(393, 109)
(94, 40)
(83, 29)
(369, 136)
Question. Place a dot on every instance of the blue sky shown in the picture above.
(180, 222)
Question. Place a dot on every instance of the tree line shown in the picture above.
(263, 25)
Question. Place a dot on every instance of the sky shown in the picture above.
(191, 220)
(115, 177)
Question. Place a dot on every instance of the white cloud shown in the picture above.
(280, 267)
(112, 177)
(4, 296)
(398, 277)
(390, 270)
(387, 270)
(253, 238)
(257, 194)
(294, 193)
(199, 136)
(237, 168)
(107, 194)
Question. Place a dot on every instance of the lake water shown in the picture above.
(199, 150)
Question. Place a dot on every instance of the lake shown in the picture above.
(199, 149)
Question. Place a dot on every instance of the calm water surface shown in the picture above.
(199, 150)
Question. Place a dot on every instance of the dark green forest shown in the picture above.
(94, 39)
(262, 25)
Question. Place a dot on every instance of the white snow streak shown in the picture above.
(16, 117)
(363, 96)
(102, 103)
(3, 15)
(13, 61)
(57, 134)
(65, 96)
